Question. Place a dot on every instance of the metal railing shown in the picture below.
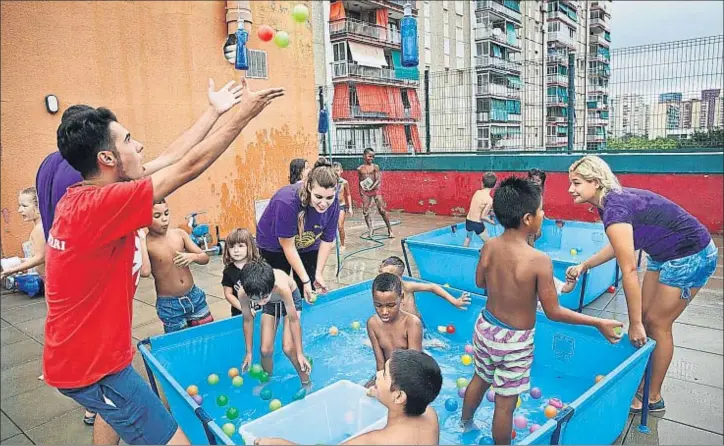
(556, 141)
(497, 62)
(387, 75)
(504, 11)
(498, 90)
(557, 101)
(557, 79)
(484, 32)
(600, 21)
(599, 39)
(364, 29)
(560, 15)
(597, 57)
(564, 38)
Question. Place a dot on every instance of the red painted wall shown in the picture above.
(449, 193)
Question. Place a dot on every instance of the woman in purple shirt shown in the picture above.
(298, 227)
(681, 258)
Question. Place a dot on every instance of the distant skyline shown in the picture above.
(635, 22)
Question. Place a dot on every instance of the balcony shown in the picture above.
(599, 22)
(597, 121)
(341, 70)
(557, 119)
(563, 38)
(486, 33)
(558, 58)
(352, 148)
(596, 138)
(562, 16)
(599, 39)
(599, 72)
(556, 101)
(598, 57)
(499, 9)
(497, 90)
(596, 88)
(483, 117)
(604, 6)
(356, 114)
(498, 63)
(395, 5)
(363, 31)
(557, 79)
(556, 141)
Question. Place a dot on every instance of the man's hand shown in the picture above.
(253, 102)
(184, 259)
(463, 301)
(224, 99)
(304, 364)
(246, 364)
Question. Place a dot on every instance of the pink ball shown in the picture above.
(469, 349)
(520, 422)
(198, 398)
(461, 392)
(490, 396)
(555, 402)
(535, 393)
(533, 428)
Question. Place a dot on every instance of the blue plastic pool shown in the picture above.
(441, 257)
(567, 359)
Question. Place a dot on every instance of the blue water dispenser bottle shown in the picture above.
(408, 29)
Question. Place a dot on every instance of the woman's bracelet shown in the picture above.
(304, 282)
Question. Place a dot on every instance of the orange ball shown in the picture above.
(599, 377)
(512, 435)
(233, 372)
(550, 412)
(192, 390)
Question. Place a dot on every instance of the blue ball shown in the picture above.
(486, 439)
(451, 404)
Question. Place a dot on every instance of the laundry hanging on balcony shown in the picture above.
(367, 55)
(340, 102)
(336, 11)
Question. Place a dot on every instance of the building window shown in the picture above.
(405, 99)
(257, 64)
(340, 51)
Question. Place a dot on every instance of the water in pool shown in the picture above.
(348, 356)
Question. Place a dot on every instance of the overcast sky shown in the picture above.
(643, 22)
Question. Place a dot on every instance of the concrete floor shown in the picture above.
(33, 413)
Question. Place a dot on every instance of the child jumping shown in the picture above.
(514, 273)
(34, 248)
(279, 297)
(344, 196)
(239, 249)
(179, 303)
(480, 206)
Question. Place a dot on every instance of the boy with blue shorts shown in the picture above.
(514, 274)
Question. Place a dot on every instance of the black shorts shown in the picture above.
(278, 260)
(474, 226)
(279, 310)
(254, 306)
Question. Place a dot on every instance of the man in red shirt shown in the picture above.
(90, 250)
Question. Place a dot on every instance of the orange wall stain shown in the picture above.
(150, 62)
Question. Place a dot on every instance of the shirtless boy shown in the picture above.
(369, 182)
(406, 385)
(391, 328)
(514, 274)
(344, 196)
(480, 207)
(179, 303)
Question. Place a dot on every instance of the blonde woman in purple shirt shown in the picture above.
(681, 258)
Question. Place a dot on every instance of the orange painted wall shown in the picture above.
(150, 62)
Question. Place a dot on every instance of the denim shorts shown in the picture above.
(126, 402)
(177, 313)
(687, 272)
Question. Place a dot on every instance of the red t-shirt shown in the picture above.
(90, 281)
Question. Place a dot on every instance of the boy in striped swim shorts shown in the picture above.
(515, 276)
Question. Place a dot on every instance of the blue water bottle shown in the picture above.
(242, 60)
(408, 30)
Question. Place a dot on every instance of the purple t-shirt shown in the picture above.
(54, 177)
(661, 228)
(279, 220)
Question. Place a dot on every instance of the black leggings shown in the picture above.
(279, 261)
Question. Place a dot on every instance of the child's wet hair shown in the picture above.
(386, 282)
(32, 193)
(532, 173)
(368, 150)
(514, 198)
(257, 279)
(323, 175)
(238, 236)
(394, 261)
(418, 375)
(489, 180)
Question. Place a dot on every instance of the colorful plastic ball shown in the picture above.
(198, 399)
(222, 400)
(490, 395)
(461, 382)
(213, 379)
(275, 405)
(466, 359)
(461, 392)
(313, 298)
(450, 329)
(333, 331)
(233, 372)
(192, 390)
(573, 251)
(265, 33)
(301, 393)
(237, 381)
(282, 39)
(535, 393)
(512, 435)
(441, 329)
(256, 370)
(556, 403)
(263, 377)
(265, 394)
(533, 428)
(485, 440)
(612, 289)
(550, 412)
(618, 331)
(599, 378)
(311, 360)
(451, 405)
(228, 429)
(356, 325)
(469, 349)
(232, 413)
(520, 422)
(518, 403)
(300, 13)
(447, 285)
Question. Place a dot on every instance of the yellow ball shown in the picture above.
(441, 329)
(573, 252)
(333, 331)
(356, 325)
(447, 285)
(517, 404)
(466, 359)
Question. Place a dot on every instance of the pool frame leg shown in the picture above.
(404, 253)
(643, 426)
(583, 292)
(205, 419)
(149, 372)
(561, 420)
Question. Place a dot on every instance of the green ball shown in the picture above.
(617, 331)
(300, 13)
(265, 394)
(237, 381)
(281, 38)
(274, 405)
(301, 393)
(263, 377)
(232, 413)
(255, 370)
(228, 429)
(213, 379)
(356, 325)
(222, 400)
(311, 361)
(461, 382)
